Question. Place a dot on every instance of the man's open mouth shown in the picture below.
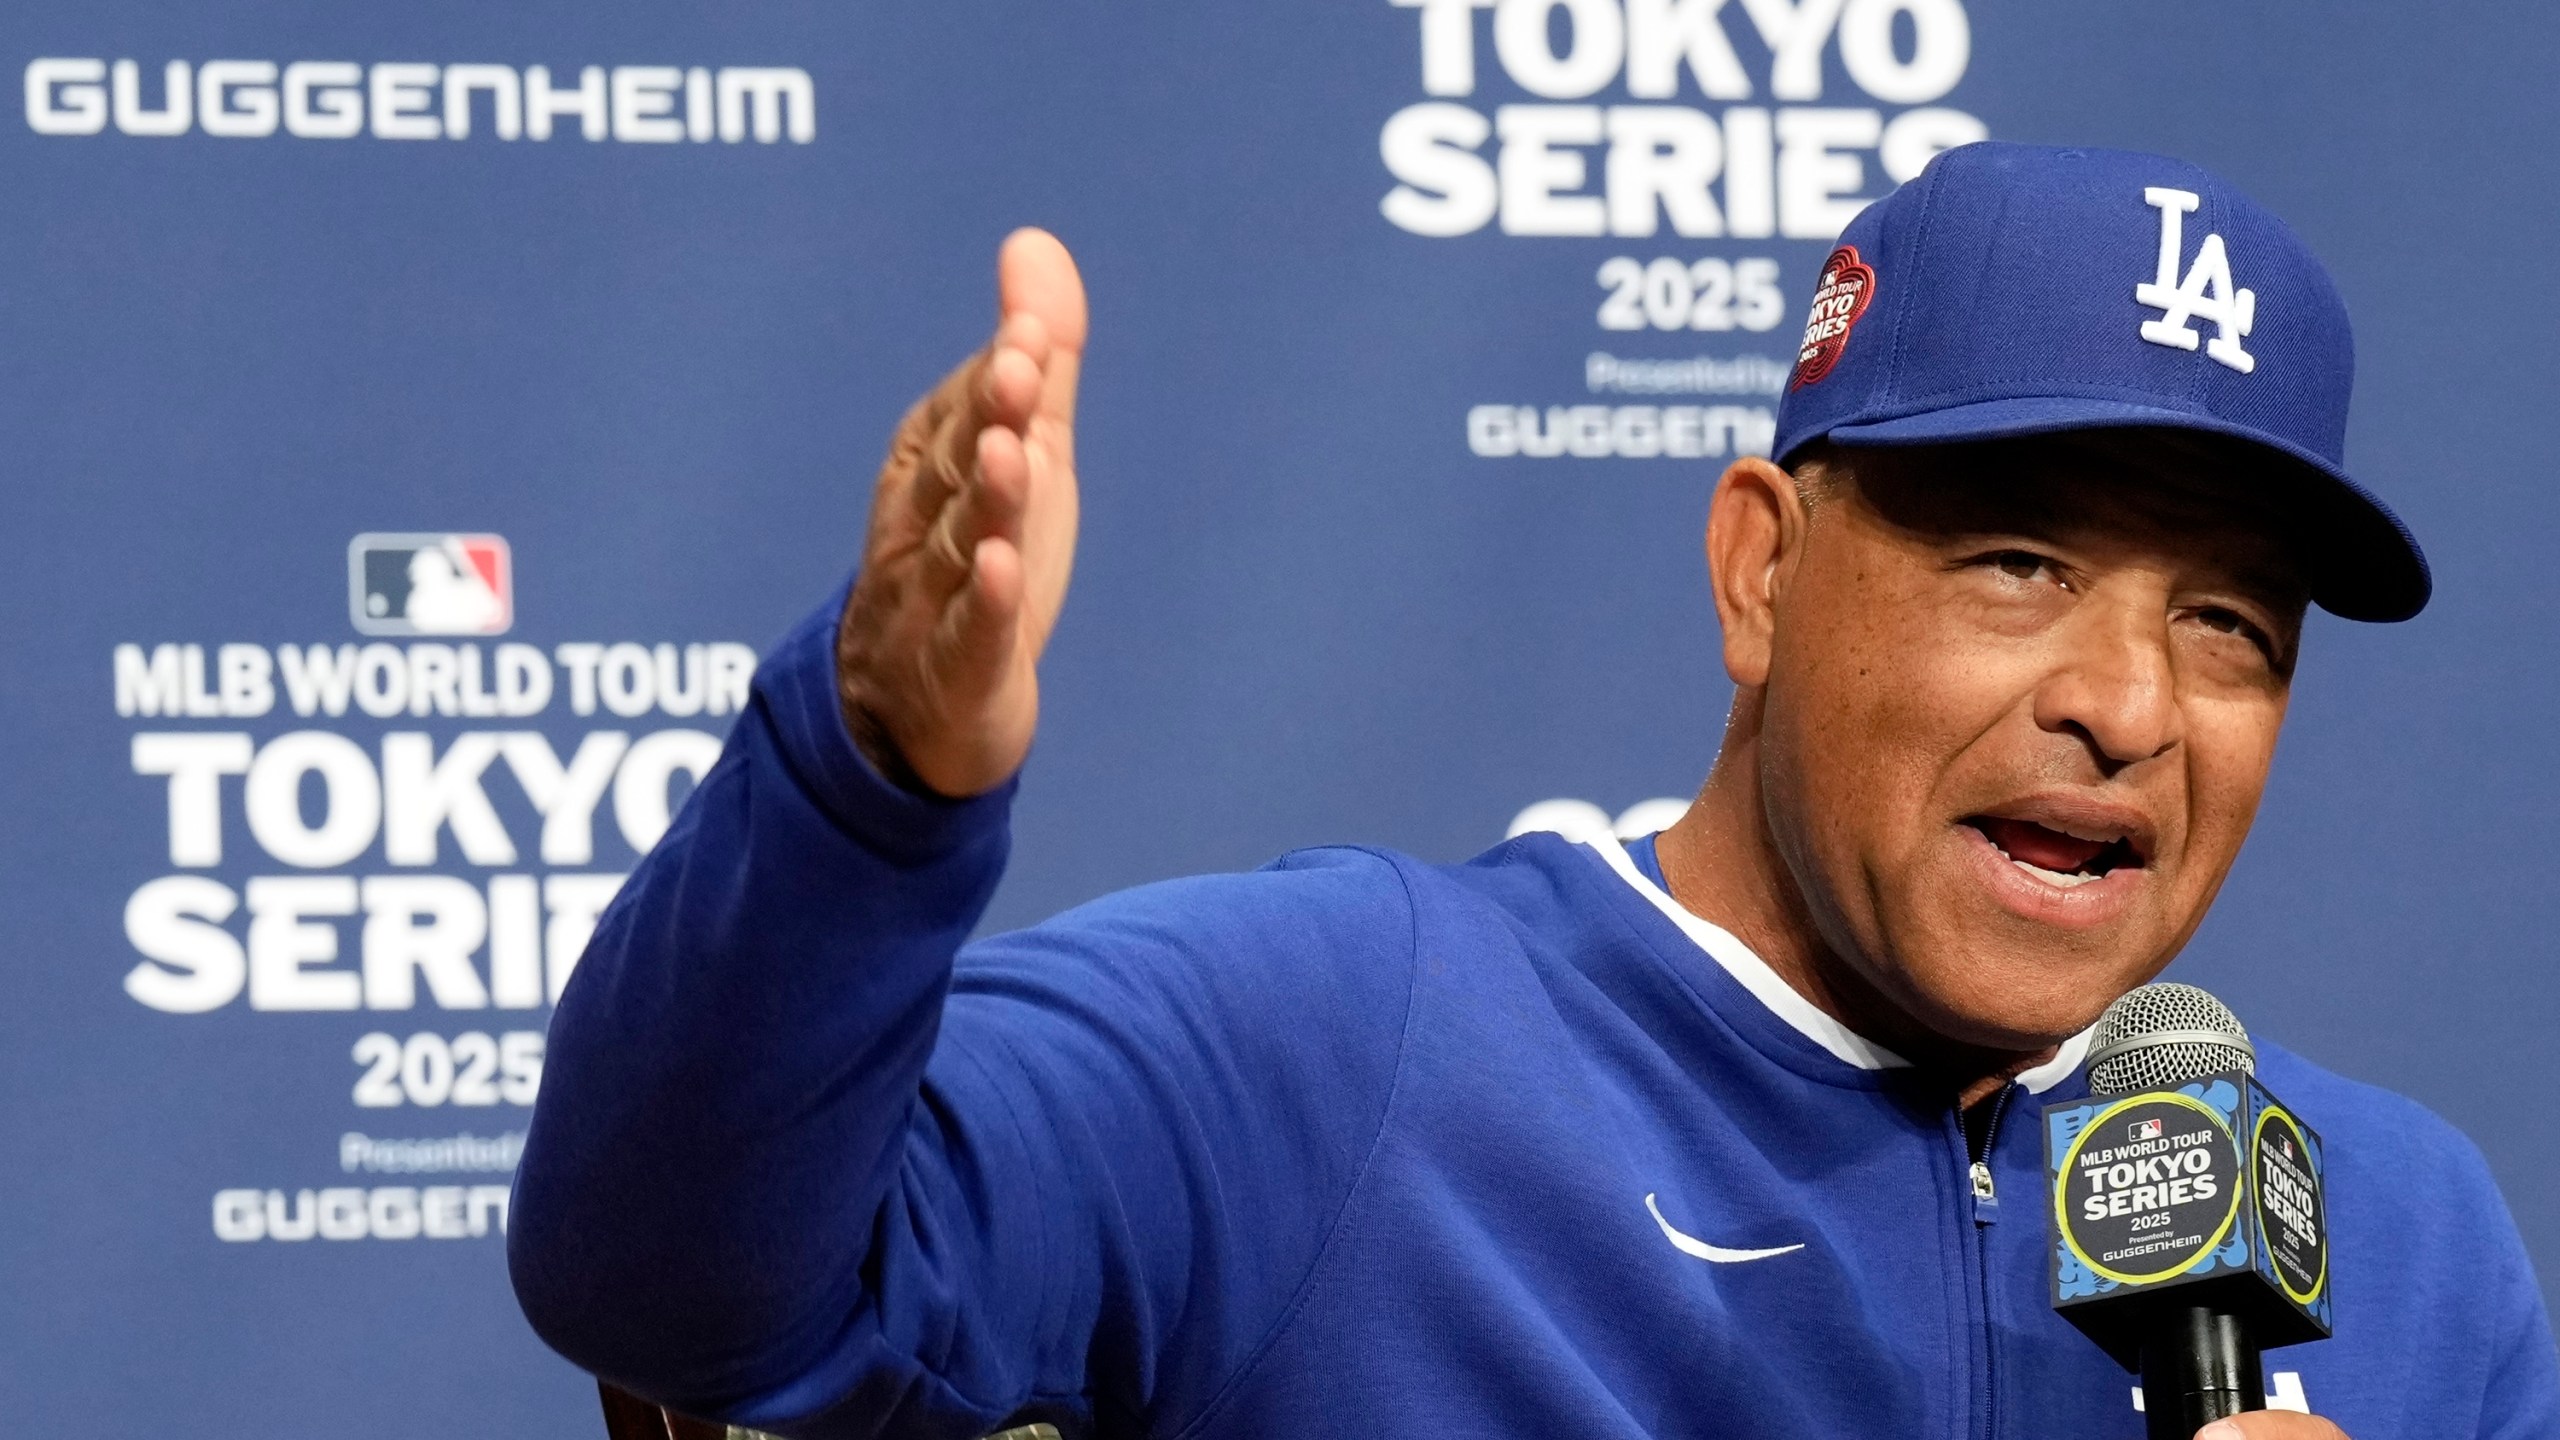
(2064, 858)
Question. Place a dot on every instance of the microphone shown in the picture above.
(2190, 1231)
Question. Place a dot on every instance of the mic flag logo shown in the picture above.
(430, 584)
(2212, 1190)
(2292, 1213)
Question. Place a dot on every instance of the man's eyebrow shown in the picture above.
(2268, 563)
(2284, 583)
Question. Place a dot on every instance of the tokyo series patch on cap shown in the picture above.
(2015, 290)
(1839, 298)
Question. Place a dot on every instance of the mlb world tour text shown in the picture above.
(316, 798)
(2147, 1176)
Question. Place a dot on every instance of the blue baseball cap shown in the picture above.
(2015, 290)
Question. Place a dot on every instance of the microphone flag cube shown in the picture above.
(2205, 1194)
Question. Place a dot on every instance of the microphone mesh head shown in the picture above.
(2160, 1036)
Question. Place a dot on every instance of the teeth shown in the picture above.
(2056, 878)
(2103, 837)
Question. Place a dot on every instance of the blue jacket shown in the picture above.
(1349, 1146)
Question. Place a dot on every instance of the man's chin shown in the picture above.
(1990, 957)
(1993, 999)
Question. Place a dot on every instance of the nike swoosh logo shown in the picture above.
(1692, 1245)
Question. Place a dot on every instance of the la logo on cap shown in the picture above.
(2207, 293)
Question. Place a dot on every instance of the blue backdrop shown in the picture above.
(288, 343)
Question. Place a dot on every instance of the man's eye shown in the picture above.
(2232, 622)
(2020, 564)
(2241, 626)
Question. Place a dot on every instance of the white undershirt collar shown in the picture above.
(1754, 975)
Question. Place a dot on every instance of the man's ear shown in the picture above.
(1756, 526)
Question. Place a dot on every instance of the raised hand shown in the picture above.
(973, 533)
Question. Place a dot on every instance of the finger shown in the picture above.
(1003, 485)
(992, 503)
(975, 643)
(989, 505)
(1008, 388)
(1036, 276)
(2272, 1425)
(995, 594)
(1000, 385)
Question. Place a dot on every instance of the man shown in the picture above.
(1705, 1136)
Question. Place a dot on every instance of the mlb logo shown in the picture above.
(2143, 1130)
(430, 585)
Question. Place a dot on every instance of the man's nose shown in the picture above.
(2115, 685)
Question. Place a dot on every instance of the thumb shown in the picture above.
(1036, 276)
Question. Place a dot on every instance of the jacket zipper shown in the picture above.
(1986, 1210)
(1986, 1195)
